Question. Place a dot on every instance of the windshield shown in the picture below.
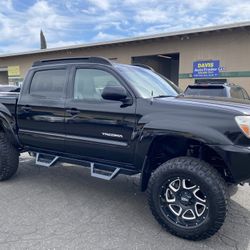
(148, 83)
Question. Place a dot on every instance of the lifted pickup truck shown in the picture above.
(123, 119)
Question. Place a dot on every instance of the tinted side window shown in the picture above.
(89, 84)
(48, 83)
(236, 93)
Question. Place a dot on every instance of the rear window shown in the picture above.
(206, 91)
(48, 83)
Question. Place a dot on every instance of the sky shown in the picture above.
(73, 22)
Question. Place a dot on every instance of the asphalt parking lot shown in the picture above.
(64, 208)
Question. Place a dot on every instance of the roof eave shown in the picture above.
(134, 39)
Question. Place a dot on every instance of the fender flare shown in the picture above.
(8, 124)
(155, 129)
(175, 127)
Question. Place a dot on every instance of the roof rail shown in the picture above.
(143, 66)
(91, 59)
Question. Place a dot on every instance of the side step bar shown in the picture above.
(45, 160)
(103, 174)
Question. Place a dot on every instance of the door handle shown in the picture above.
(73, 111)
(26, 108)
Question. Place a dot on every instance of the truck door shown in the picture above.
(41, 109)
(98, 129)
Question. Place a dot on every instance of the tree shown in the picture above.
(43, 43)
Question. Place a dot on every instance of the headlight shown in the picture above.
(244, 124)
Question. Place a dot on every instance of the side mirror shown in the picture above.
(115, 93)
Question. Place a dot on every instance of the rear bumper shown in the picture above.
(237, 159)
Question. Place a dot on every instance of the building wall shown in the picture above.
(231, 47)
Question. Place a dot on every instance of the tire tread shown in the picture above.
(210, 175)
(9, 158)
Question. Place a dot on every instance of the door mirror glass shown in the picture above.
(115, 93)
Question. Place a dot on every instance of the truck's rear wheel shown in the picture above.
(9, 158)
(188, 198)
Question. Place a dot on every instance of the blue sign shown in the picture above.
(206, 69)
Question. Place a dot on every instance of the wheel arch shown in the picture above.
(165, 147)
(7, 125)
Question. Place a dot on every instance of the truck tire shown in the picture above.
(9, 158)
(188, 198)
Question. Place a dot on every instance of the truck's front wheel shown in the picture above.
(188, 198)
(9, 158)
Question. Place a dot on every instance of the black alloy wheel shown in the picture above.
(188, 197)
(183, 202)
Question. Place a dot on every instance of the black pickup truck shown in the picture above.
(123, 119)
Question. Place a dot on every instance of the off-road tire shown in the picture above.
(207, 179)
(9, 158)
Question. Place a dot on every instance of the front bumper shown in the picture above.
(237, 159)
